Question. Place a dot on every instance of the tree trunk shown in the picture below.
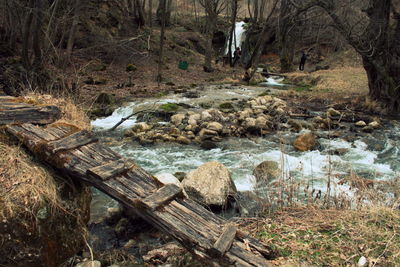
(211, 22)
(233, 22)
(379, 48)
(26, 37)
(162, 5)
(150, 15)
(259, 47)
(37, 36)
(285, 39)
(75, 21)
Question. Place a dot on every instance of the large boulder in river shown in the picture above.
(210, 184)
(305, 142)
(267, 171)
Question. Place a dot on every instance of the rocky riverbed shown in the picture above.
(255, 142)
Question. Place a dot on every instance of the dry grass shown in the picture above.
(341, 80)
(25, 185)
(71, 112)
(317, 237)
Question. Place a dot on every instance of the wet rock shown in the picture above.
(113, 215)
(192, 94)
(183, 140)
(368, 129)
(249, 122)
(267, 171)
(177, 118)
(339, 151)
(206, 116)
(206, 134)
(374, 124)
(261, 122)
(207, 145)
(295, 125)
(305, 142)
(331, 112)
(360, 124)
(215, 126)
(138, 128)
(89, 263)
(210, 184)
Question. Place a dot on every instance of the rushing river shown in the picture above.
(374, 156)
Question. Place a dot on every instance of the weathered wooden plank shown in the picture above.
(193, 226)
(72, 141)
(6, 98)
(224, 242)
(162, 196)
(110, 169)
(37, 115)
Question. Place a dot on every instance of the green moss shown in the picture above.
(303, 88)
(226, 105)
(169, 107)
(265, 93)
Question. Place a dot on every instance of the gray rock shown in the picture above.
(210, 184)
(267, 171)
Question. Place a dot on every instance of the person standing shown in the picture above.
(236, 55)
(302, 60)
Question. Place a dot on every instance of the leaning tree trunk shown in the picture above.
(379, 48)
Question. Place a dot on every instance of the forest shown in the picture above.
(275, 118)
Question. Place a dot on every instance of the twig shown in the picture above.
(126, 118)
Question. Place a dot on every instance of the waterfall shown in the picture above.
(238, 37)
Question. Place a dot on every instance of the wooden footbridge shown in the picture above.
(77, 154)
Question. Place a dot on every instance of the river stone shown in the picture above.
(140, 127)
(183, 140)
(177, 118)
(206, 133)
(267, 171)
(295, 125)
(374, 124)
(205, 116)
(210, 184)
(89, 263)
(331, 112)
(250, 122)
(167, 178)
(215, 126)
(305, 142)
(192, 122)
(261, 122)
(207, 145)
(195, 117)
(360, 124)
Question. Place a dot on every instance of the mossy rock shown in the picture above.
(226, 105)
(169, 107)
(205, 105)
(130, 68)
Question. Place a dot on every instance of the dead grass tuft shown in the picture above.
(25, 185)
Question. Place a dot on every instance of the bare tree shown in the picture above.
(376, 37)
(160, 56)
(213, 8)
